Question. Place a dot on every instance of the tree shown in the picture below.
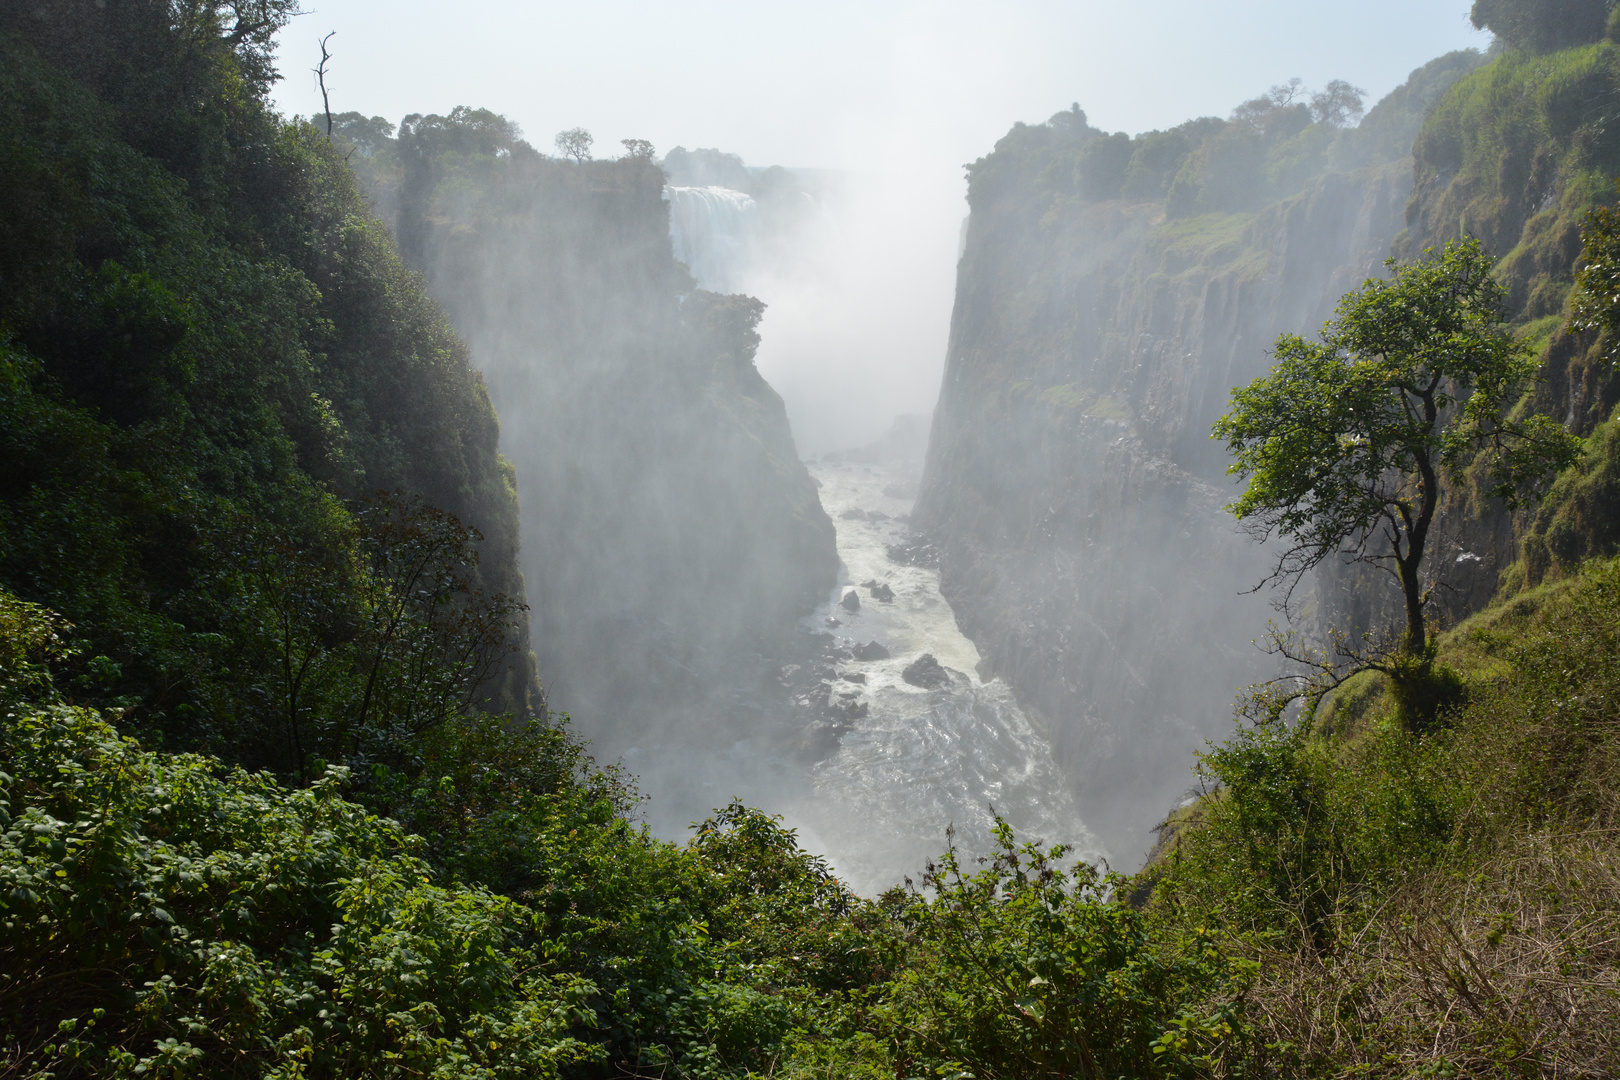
(637, 148)
(1542, 25)
(1344, 441)
(1597, 289)
(1338, 104)
(575, 143)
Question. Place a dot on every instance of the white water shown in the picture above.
(710, 228)
(921, 759)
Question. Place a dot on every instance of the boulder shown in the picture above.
(851, 602)
(870, 651)
(883, 593)
(927, 673)
(854, 677)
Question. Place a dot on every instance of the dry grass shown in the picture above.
(1510, 970)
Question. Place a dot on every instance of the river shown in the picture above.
(920, 759)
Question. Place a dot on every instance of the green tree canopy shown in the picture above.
(1343, 442)
(1542, 25)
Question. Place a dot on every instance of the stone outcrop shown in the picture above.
(1071, 488)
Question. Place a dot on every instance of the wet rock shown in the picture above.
(851, 602)
(927, 673)
(870, 651)
(854, 677)
(876, 515)
(853, 514)
(833, 622)
(883, 593)
(847, 709)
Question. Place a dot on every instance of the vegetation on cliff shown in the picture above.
(210, 359)
(1345, 443)
(265, 809)
(1267, 150)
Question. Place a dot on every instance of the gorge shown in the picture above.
(473, 612)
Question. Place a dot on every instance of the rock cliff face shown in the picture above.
(670, 530)
(1111, 293)
(1071, 484)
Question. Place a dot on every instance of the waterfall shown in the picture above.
(711, 228)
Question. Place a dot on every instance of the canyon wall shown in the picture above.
(1071, 488)
(671, 535)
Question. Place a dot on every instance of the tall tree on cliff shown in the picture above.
(1344, 442)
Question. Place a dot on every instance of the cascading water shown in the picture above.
(920, 759)
(711, 230)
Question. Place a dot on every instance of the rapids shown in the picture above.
(920, 760)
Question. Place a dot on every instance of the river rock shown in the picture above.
(853, 514)
(926, 672)
(854, 677)
(851, 602)
(870, 651)
(846, 709)
(883, 593)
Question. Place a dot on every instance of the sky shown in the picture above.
(897, 93)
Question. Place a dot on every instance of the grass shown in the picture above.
(1427, 905)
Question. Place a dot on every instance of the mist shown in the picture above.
(765, 556)
(892, 97)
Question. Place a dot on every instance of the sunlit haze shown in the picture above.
(898, 95)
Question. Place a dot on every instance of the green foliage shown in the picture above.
(1023, 969)
(1455, 888)
(1595, 304)
(1543, 25)
(1517, 153)
(1343, 443)
(209, 354)
(1579, 519)
(1270, 148)
(164, 914)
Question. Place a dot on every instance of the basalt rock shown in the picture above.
(851, 602)
(927, 673)
(869, 652)
(1072, 495)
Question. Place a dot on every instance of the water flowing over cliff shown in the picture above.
(1071, 487)
(710, 230)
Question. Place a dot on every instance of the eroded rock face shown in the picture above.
(1071, 491)
(654, 465)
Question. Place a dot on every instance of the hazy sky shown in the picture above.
(900, 94)
(801, 83)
